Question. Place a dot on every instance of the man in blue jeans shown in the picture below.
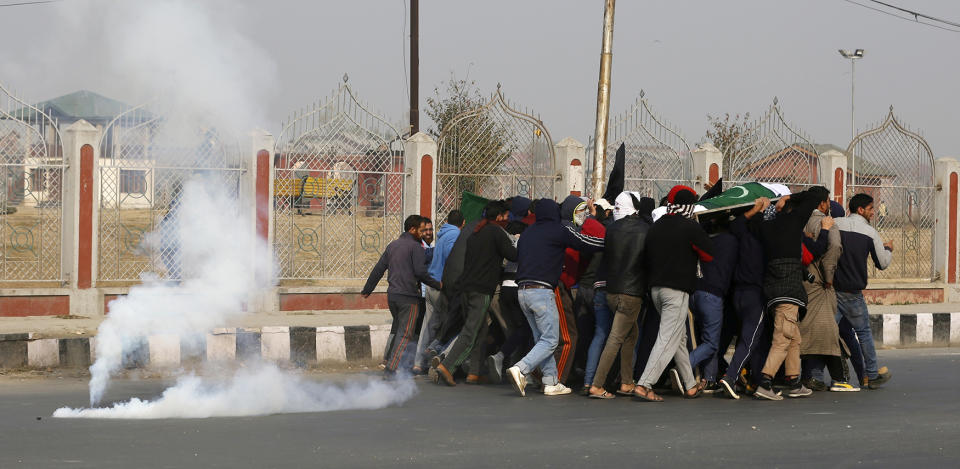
(708, 300)
(540, 260)
(860, 240)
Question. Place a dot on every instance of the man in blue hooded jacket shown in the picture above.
(540, 261)
(433, 315)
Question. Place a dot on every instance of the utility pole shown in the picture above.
(603, 103)
(414, 66)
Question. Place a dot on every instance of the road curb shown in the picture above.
(299, 346)
(306, 346)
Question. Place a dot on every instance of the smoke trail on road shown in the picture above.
(260, 391)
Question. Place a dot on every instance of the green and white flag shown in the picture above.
(739, 195)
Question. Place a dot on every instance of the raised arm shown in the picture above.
(582, 242)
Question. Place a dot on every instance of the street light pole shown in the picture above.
(852, 56)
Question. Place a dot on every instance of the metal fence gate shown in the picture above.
(144, 161)
(895, 166)
(338, 189)
(496, 152)
(657, 156)
(772, 151)
(31, 193)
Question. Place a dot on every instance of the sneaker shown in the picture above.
(815, 384)
(728, 389)
(801, 391)
(517, 379)
(843, 386)
(675, 382)
(767, 393)
(495, 367)
(556, 390)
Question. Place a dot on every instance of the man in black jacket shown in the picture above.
(488, 247)
(625, 286)
(404, 258)
(674, 246)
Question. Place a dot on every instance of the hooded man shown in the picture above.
(540, 260)
(624, 292)
(575, 214)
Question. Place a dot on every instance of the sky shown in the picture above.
(692, 58)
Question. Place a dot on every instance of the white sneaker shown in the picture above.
(556, 390)
(517, 379)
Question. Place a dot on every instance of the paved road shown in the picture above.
(915, 422)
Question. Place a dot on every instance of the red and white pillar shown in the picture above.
(946, 250)
(833, 174)
(707, 166)
(570, 158)
(81, 148)
(420, 190)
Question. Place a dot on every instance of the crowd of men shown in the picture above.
(600, 296)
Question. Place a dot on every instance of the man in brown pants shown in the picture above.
(626, 281)
(782, 239)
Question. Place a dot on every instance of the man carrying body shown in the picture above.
(404, 259)
(782, 239)
(860, 240)
(674, 246)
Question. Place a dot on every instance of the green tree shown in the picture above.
(474, 140)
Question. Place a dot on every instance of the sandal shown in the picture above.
(621, 392)
(698, 388)
(644, 394)
(603, 395)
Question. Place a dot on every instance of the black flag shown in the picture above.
(615, 183)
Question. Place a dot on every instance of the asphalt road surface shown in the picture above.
(914, 421)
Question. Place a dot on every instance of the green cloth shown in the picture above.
(472, 206)
(738, 195)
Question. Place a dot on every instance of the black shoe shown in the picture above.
(814, 384)
(729, 389)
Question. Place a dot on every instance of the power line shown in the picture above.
(36, 2)
(917, 14)
(914, 20)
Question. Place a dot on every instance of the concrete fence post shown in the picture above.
(707, 166)
(420, 190)
(945, 243)
(570, 159)
(833, 174)
(81, 152)
(256, 195)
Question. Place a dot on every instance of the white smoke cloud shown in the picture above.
(222, 260)
(260, 391)
(210, 79)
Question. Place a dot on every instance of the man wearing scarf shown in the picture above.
(674, 247)
(488, 247)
